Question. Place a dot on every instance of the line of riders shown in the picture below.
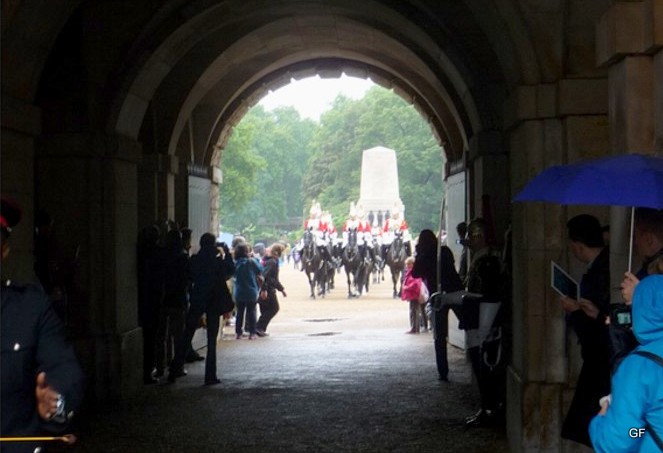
(364, 249)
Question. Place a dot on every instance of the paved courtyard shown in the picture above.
(334, 375)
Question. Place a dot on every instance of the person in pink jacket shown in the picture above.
(412, 292)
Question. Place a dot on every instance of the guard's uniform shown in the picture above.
(32, 341)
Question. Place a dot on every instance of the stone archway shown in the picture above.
(126, 99)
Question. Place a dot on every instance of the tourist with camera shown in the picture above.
(648, 245)
(210, 268)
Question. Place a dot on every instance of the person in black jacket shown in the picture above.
(42, 383)
(150, 260)
(587, 318)
(209, 272)
(173, 308)
(268, 302)
(426, 268)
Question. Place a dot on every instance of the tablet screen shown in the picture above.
(562, 282)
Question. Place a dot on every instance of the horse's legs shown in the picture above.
(311, 284)
(394, 279)
(347, 276)
(322, 278)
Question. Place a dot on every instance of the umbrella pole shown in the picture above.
(630, 243)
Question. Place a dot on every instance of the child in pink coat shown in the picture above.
(411, 292)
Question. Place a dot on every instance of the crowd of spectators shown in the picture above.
(179, 292)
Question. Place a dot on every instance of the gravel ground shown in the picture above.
(336, 375)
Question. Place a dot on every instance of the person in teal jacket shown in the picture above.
(632, 418)
(245, 290)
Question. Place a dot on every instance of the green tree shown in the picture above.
(276, 163)
(278, 144)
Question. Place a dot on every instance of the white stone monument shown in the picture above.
(378, 191)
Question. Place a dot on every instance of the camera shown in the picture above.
(620, 315)
(462, 242)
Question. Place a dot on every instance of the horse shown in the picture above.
(311, 261)
(396, 255)
(368, 262)
(327, 271)
(378, 262)
(353, 264)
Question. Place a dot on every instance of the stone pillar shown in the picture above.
(486, 154)
(629, 45)
(182, 195)
(156, 181)
(548, 124)
(216, 175)
(88, 183)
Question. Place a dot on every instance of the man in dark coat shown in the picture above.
(42, 383)
(586, 317)
(209, 272)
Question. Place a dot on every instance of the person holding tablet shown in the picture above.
(586, 316)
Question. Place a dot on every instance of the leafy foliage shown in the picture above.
(276, 163)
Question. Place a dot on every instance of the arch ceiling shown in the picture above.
(219, 62)
(197, 66)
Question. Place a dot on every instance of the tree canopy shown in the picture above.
(276, 163)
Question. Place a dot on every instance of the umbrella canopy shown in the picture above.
(624, 180)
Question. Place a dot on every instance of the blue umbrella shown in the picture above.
(624, 180)
(631, 180)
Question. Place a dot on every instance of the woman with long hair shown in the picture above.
(269, 305)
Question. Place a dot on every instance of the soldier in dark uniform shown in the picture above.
(42, 383)
(484, 342)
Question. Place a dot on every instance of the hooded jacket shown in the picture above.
(637, 386)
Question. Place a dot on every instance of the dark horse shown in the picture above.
(396, 255)
(368, 261)
(378, 262)
(353, 264)
(312, 263)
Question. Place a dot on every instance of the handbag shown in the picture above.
(220, 301)
(227, 305)
(423, 293)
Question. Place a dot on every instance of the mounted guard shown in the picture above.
(397, 240)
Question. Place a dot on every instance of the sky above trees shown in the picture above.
(313, 96)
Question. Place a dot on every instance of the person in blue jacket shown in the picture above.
(245, 290)
(632, 417)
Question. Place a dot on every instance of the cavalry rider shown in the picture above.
(318, 227)
(396, 223)
(330, 229)
(331, 233)
(364, 231)
(352, 223)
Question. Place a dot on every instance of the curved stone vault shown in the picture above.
(115, 112)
